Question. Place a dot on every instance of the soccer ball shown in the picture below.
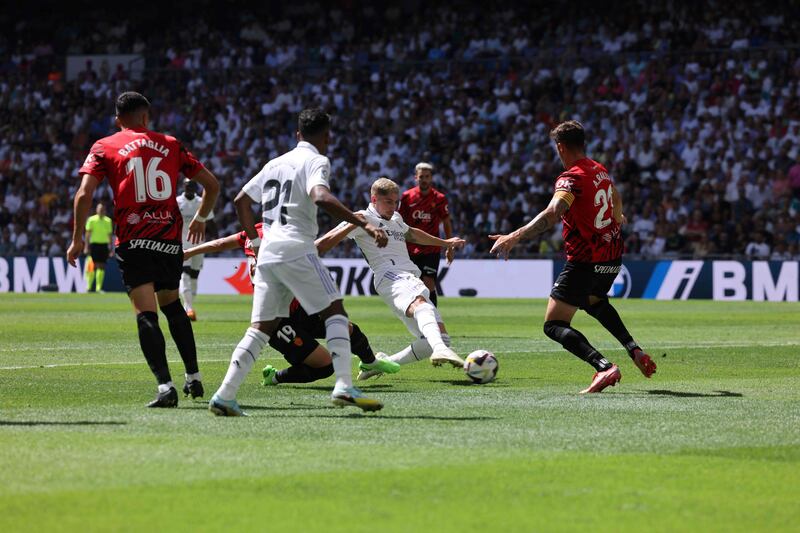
(481, 366)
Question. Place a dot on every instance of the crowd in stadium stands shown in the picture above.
(694, 108)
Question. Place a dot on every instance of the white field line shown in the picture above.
(537, 349)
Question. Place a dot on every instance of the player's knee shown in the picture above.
(147, 321)
(553, 329)
(596, 305)
(420, 305)
(336, 308)
(174, 310)
(321, 372)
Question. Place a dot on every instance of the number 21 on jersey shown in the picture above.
(604, 201)
(277, 195)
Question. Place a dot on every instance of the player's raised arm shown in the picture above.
(329, 241)
(545, 220)
(231, 242)
(81, 206)
(197, 228)
(418, 236)
(323, 198)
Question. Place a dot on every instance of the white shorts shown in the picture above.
(195, 262)
(399, 290)
(304, 278)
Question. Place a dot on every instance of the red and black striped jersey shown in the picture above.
(143, 168)
(244, 240)
(425, 212)
(591, 235)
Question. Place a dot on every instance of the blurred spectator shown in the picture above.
(757, 248)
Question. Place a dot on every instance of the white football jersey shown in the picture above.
(188, 210)
(394, 257)
(283, 188)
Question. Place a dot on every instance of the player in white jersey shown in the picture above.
(189, 203)
(396, 277)
(290, 188)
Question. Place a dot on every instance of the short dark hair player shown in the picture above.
(143, 168)
(591, 209)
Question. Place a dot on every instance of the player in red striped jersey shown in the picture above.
(143, 168)
(590, 207)
(425, 208)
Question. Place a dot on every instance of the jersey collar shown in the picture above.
(372, 210)
(308, 145)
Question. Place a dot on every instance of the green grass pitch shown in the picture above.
(711, 443)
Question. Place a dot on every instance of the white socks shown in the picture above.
(164, 387)
(417, 351)
(194, 286)
(337, 337)
(185, 290)
(425, 315)
(193, 377)
(242, 359)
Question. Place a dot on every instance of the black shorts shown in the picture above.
(149, 261)
(99, 252)
(292, 341)
(428, 264)
(578, 281)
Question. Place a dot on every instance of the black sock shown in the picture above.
(434, 298)
(152, 342)
(359, 344)
(574, 342)
(303, 374)
(180, 327)
(607, 315)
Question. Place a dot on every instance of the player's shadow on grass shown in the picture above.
(376, 416)
(682, 394)
(292, 407)
(384, 388)
(60, 423)
(465, 383)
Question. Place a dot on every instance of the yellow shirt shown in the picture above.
(100, 229)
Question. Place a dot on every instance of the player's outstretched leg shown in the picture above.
(181, 330)
(369, 363)
(223, 403)
(609, 318)
(301, 373)
(418, 350)
(573, 341)
(428, 320)
(304, 368)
